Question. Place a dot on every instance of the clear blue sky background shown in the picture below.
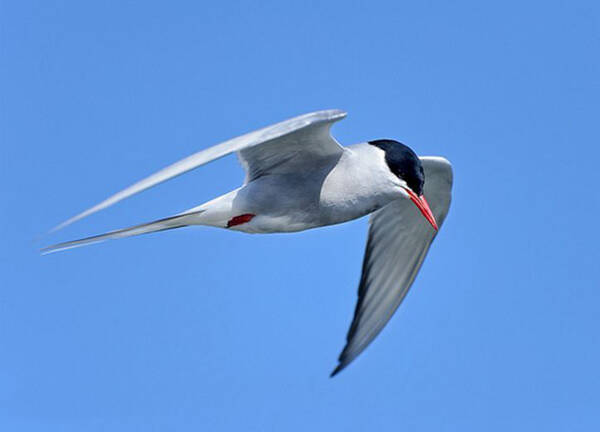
(203, 329)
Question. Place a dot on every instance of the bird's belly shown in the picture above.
(339, 211)
(291, 203)
(266, 224)
(279, 203)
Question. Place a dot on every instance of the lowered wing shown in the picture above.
(399, 238)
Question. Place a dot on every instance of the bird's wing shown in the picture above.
(300, 144)
(399, 238)
(259, 150)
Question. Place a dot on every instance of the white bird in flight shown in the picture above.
(299, 177)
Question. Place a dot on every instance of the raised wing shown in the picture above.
(260, 151)
(399, 238)
(298, 149)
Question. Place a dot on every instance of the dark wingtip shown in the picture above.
(337, 370)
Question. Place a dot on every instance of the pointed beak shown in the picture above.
(422, 205)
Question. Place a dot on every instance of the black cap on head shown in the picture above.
(403, 162)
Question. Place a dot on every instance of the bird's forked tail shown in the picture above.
(172, 222)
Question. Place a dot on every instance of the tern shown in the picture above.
(299, 177)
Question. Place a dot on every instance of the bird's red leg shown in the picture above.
(241, 219)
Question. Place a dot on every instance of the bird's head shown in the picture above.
(407, 167)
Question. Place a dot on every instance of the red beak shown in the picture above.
(422, 205)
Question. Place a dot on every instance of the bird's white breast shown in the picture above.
(359, 184)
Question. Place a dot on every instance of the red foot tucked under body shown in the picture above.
(241, 219)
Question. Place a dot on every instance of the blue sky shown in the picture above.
(203, 329)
